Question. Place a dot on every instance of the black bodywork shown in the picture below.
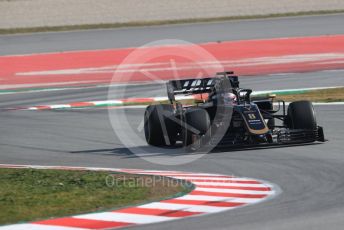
(226, 115)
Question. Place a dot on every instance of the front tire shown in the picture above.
(301, 115)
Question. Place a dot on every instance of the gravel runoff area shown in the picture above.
(47, 13)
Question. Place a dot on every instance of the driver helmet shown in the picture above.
(229, 98)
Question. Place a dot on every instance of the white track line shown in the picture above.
(230, 184)
(125, 217)
(219, 198)
(237, 191)
(186, 207)
(37, 227)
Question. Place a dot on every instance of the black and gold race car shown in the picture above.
(223, 114)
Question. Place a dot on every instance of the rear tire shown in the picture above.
(301, 115)
(159, 129)
(196, 128)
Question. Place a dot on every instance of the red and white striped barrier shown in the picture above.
(213, 193)
(119, 102)
(148, 100)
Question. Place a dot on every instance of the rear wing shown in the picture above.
(222, 80)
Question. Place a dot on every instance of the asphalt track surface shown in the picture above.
(197, 33)
(310, 177)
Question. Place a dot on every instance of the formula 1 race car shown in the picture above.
(223, 114)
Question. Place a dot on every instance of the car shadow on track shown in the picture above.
(150, 151)
(138, 151)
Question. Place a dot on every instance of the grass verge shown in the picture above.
(32, 194)
(322, 95)
(160, 22)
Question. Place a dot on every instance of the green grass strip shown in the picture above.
(33, 194)
(320, 95)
